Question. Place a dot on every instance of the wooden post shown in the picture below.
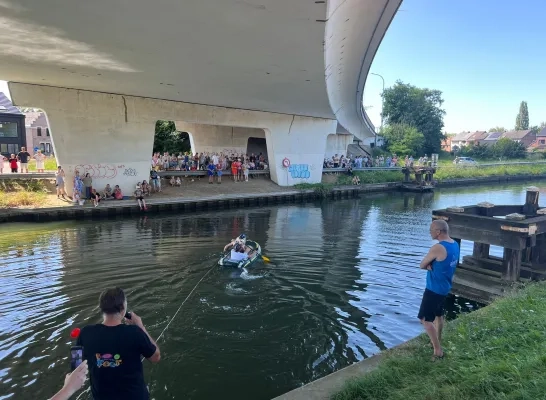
(538, 253)
(481, 250)
(511, 263)
(531, 201)
(406, 175)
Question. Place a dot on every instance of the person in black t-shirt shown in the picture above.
(113, 350)
(23, 157)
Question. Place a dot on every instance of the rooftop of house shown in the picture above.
(6, 106)
(494, 136)
(516, 135)
(462, 136)
(478, 135)
(34, 119)
(542, 133)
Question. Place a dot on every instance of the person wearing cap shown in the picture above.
(139, 195)
(241, 239)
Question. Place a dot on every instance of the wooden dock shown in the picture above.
(519, 229)
(423, 182)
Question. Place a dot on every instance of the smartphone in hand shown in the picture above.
(76, 357)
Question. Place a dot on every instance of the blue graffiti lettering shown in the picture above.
(299, 171)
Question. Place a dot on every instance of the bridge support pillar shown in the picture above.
(93, 133)
(224, 139)
(337, 144)
(111, 136)
(296, 151)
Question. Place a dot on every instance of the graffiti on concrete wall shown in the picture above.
(130, 172)
(297, 171)
(300, 171)
(104, 171)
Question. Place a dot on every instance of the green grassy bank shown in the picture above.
(497, 352)
(446, 172)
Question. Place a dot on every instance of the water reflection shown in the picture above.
(343, 284)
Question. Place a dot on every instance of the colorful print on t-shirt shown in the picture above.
(108, 361)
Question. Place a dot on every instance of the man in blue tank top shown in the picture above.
(440, 263)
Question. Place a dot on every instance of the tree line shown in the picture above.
(414, 121)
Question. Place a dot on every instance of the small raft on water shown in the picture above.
(255, 253)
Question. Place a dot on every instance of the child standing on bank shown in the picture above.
(13, 163)
(245, 171)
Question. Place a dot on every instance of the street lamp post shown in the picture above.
(382, 102)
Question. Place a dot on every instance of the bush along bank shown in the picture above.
(497, 352)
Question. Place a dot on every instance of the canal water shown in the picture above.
(342, 285)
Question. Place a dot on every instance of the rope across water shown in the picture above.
(170, 321)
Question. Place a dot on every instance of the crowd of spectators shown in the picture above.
(200, 161)
(364, 161)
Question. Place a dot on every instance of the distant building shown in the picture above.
(37, 133)
(492, 138)
(446, 143)
(477, 138)
(12, 127)
(540, 143)
(463, 139)
(525, 137)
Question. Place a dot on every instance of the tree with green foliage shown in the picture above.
(522, 120)
(497, 129)
(537, 128)
(507, 148)
(503, 148)
(419, 108)
(478, 150)
(403, 139)
(167, 138)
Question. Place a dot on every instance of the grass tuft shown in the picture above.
(22, 193)
(497, 352)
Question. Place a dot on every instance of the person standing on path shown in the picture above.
(88, 183)
(59, 182)
(13, 164)
(23, 157)
(40, 161)
(440, 263)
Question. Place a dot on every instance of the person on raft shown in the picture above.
(239, 249)
(241, 239)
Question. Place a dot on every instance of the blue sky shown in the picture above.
(486, 56)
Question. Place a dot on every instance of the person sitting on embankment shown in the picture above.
(440, 263)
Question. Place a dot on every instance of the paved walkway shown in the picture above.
(198, 189)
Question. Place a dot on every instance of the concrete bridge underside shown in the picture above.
(105, 71)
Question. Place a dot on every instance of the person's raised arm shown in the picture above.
(227, 246)
(149, 343)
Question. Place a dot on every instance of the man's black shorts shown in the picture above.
(432, 306)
